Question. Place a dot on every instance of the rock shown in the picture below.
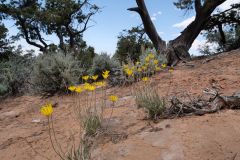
(36, 121)
(123, 151)
(9, 114)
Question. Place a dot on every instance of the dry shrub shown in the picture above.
(148, 99)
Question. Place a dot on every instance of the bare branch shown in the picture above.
(136, 9)
(40, 38)
(26, 34)
(198, 6)
(149, 27)
(85, 23)
(197, 25)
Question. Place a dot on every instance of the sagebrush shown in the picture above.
(54, 72)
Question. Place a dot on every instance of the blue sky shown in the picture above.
(114, 17)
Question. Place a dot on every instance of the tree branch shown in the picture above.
(136, 9)
(25, 32)
(190, 33)
(40, 38)
(60, 37)
(223, 38)
(85, 24)
(198, 6)
(149, 27)
(224, 17)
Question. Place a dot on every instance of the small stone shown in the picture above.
(9, 114)
(168, 126)
(36, 121)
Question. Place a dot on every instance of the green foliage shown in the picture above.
(68, 19)
(223, 30)
(92, 124)
(103, 62)
(3, 89)
(130, 44)
(148, 99)
(85, 55)
(15, 73)
(231, 40)
(118, 76)
(5, 48)
(184, 4)
(161, 58)
(54, 72)
(82, 152)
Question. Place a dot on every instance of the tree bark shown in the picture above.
(149, 27)
(222, 35)
(43, 47)
(178, 48)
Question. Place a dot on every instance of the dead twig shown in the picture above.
(200, 106)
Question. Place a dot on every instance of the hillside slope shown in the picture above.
(209, 137)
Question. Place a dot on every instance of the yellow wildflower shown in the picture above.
(72, 88)
(125, 66)
(151, 55)
(145, 79)
(85, 78)
(113, 98)
(144, 68)
(164, 65)
(137, 63)
(129, 72)
(147, 59)
(155, 61)
(157, 68)
(86, 85)
(95, 77)
(91, 87)
(139, 69)
(171, 69)
(105, 74)
(47, 110)
(78, 89)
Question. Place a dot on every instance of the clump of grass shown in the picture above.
(148, 99)
(80, 153)
(89, 119)
(91, 124)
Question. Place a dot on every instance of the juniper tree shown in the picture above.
(68, 19)
(178, 48)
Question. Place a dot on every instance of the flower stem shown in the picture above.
(49, 132)
(54, 136)
(110, 115)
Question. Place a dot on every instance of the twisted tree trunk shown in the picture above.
(178, 48)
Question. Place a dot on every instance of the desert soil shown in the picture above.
(129, 136)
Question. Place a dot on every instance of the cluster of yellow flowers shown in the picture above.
(150, 64)
(143, 70)
(90, 86)
(105, 74)
(47, 109)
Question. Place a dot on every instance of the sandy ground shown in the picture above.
(129, 137)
